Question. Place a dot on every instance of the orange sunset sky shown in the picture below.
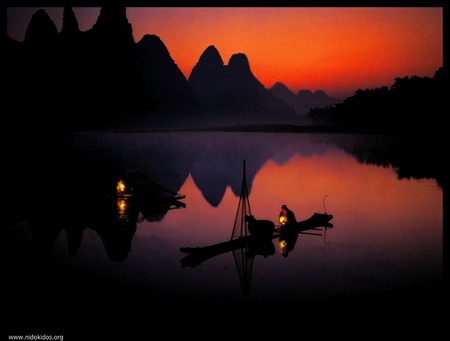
(337, 50)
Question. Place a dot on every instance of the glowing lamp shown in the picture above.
(283, 220)
(120, 188)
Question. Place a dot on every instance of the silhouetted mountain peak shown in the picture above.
(153, 47)
(207, 76)
(112, 24)
(41, 30)
(282, 92)
(241, 77)
(304, 100)
(151, 39)
(320, 94)
(305, 92)
(211, 56)
(157, 65)
(70, 23)
(281, 87)
(111, 16)
(239, 63)
(167, 87)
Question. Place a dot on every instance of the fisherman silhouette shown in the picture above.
(289, 233)
(286, 216)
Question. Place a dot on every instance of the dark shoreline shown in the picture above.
(264, 128)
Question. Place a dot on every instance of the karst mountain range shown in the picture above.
(101, 77)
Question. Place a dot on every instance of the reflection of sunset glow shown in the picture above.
(387, 232)
(368, 203)
(354, 192)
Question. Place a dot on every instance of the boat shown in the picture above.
(197, 255)
(251, 237)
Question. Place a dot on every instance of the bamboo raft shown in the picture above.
(197, 255)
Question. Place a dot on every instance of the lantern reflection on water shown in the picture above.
(283, 245)
(122, 209)
(123, 205)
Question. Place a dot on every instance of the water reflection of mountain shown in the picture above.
(251, 237)
(65, 189)
(213, 158)
(409, 156)
(73, 192)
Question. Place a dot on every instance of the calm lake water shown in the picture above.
(74, 269)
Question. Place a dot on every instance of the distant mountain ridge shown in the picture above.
(304, 100)
(232, 92)
(101, 77)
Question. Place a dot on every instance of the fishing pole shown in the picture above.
(324, 209)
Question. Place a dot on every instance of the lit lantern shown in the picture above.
(120, 188)
(282, 219)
